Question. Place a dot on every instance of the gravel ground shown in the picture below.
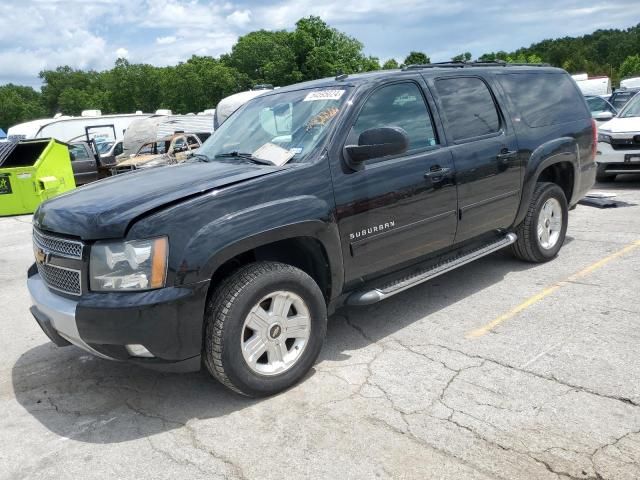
(499, 369)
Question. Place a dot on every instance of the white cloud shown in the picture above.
(166, 40)
(240, 18)
(43, 34)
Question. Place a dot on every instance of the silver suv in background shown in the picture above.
(619, 143)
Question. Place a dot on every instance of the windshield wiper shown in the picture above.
(245, 156)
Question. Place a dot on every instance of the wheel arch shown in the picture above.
(555, 162)
(309, 246)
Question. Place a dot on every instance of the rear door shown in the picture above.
(485, 154)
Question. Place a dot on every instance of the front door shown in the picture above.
(484, 147)
(395, 209)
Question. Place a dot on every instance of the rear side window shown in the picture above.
(544, 98)
(468, 107)
(78, 152)
(397, 105)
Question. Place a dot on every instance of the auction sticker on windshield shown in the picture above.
(324, 95)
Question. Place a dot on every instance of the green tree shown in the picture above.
(417, 58)
(132, 87)
(630, 67)
(266, 57)
(391, 64)
(63, 78)
(463, 57)
(493, 56)
(523, 58)
(323, 51)
(199, 83)
(72, 101)
(19, 104)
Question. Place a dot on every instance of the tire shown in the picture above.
(530, 246)
(241, 302)
(602, 176)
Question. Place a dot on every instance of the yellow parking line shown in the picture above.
(478, 332)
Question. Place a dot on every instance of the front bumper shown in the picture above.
(618, 161)
(167, 322)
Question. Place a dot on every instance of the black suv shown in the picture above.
(339, 191)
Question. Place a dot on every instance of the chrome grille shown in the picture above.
(58, 245)
(62, 279)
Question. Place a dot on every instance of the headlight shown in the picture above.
(603, 137)
(132, 265)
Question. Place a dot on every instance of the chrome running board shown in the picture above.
(420, 275)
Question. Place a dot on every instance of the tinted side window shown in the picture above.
(399, 105)
(468, 107)
(118, 149)
(544, 98)
(78, 152)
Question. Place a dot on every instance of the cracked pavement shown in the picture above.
(400, 389)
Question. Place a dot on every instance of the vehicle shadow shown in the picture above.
(621, 183)
(78, 396)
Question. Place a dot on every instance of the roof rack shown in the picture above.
(476, 63)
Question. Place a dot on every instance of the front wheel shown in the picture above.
(542, 232)
(264, 328)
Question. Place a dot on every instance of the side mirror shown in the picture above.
(376, 143)
(602, 116)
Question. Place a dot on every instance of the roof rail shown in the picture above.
(476, 63)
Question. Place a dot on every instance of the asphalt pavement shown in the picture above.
(499, 369)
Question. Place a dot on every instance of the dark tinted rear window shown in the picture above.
(544, 98)
(468, 107)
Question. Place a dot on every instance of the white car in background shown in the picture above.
(619, 143)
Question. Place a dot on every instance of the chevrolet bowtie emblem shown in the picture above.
(42, 256)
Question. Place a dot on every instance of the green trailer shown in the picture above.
(32, 171)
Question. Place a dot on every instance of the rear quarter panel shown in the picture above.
(569, 140)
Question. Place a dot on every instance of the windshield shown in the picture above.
(277, 128)
(632, 108)
(104, 147)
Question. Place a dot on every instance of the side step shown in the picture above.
(420, 275)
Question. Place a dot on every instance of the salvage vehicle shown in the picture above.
(620, 97)
(166, 151)
(230, 104)
(158, 127)
(619, 143)
(341, 191)
(85, 161)
(601, 110)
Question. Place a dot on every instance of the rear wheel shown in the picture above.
(602, 176)
(542, 232)
(264, 328)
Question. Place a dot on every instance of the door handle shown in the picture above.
(506, 155)
(437, 173)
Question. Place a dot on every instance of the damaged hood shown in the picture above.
(105, 209)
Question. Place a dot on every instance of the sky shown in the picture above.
(91, 34)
